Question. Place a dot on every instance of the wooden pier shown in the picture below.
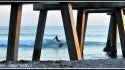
(75, 35)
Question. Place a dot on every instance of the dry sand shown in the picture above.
(101, 63)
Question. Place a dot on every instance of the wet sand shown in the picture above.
(101, 63)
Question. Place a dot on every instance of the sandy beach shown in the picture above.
(101, 63)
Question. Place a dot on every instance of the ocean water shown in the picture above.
(95, 41)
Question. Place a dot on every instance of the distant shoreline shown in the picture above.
(101, 63)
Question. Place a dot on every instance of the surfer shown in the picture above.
(59, 41)
(56, 37)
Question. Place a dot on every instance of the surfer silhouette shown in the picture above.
(59, 41)
(56, 37)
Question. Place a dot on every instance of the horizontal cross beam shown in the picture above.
(80, 5)
(9, 3)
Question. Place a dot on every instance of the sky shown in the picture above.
(30, 17)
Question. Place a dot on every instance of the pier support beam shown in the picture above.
(82, 17)
(70, 31)
(108, 44)
(114, 35)
(111, 45)
(121, 28)
(39, 35)
(113, 52)
(14, 32)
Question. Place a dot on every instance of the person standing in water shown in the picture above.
(59, 41)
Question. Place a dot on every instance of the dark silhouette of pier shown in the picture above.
(75, 35)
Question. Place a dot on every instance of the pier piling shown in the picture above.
(14, 32)
(70, 32)
(82, 17)
(111, 45)
(114, 36)
(121, 27)
(39, 35)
